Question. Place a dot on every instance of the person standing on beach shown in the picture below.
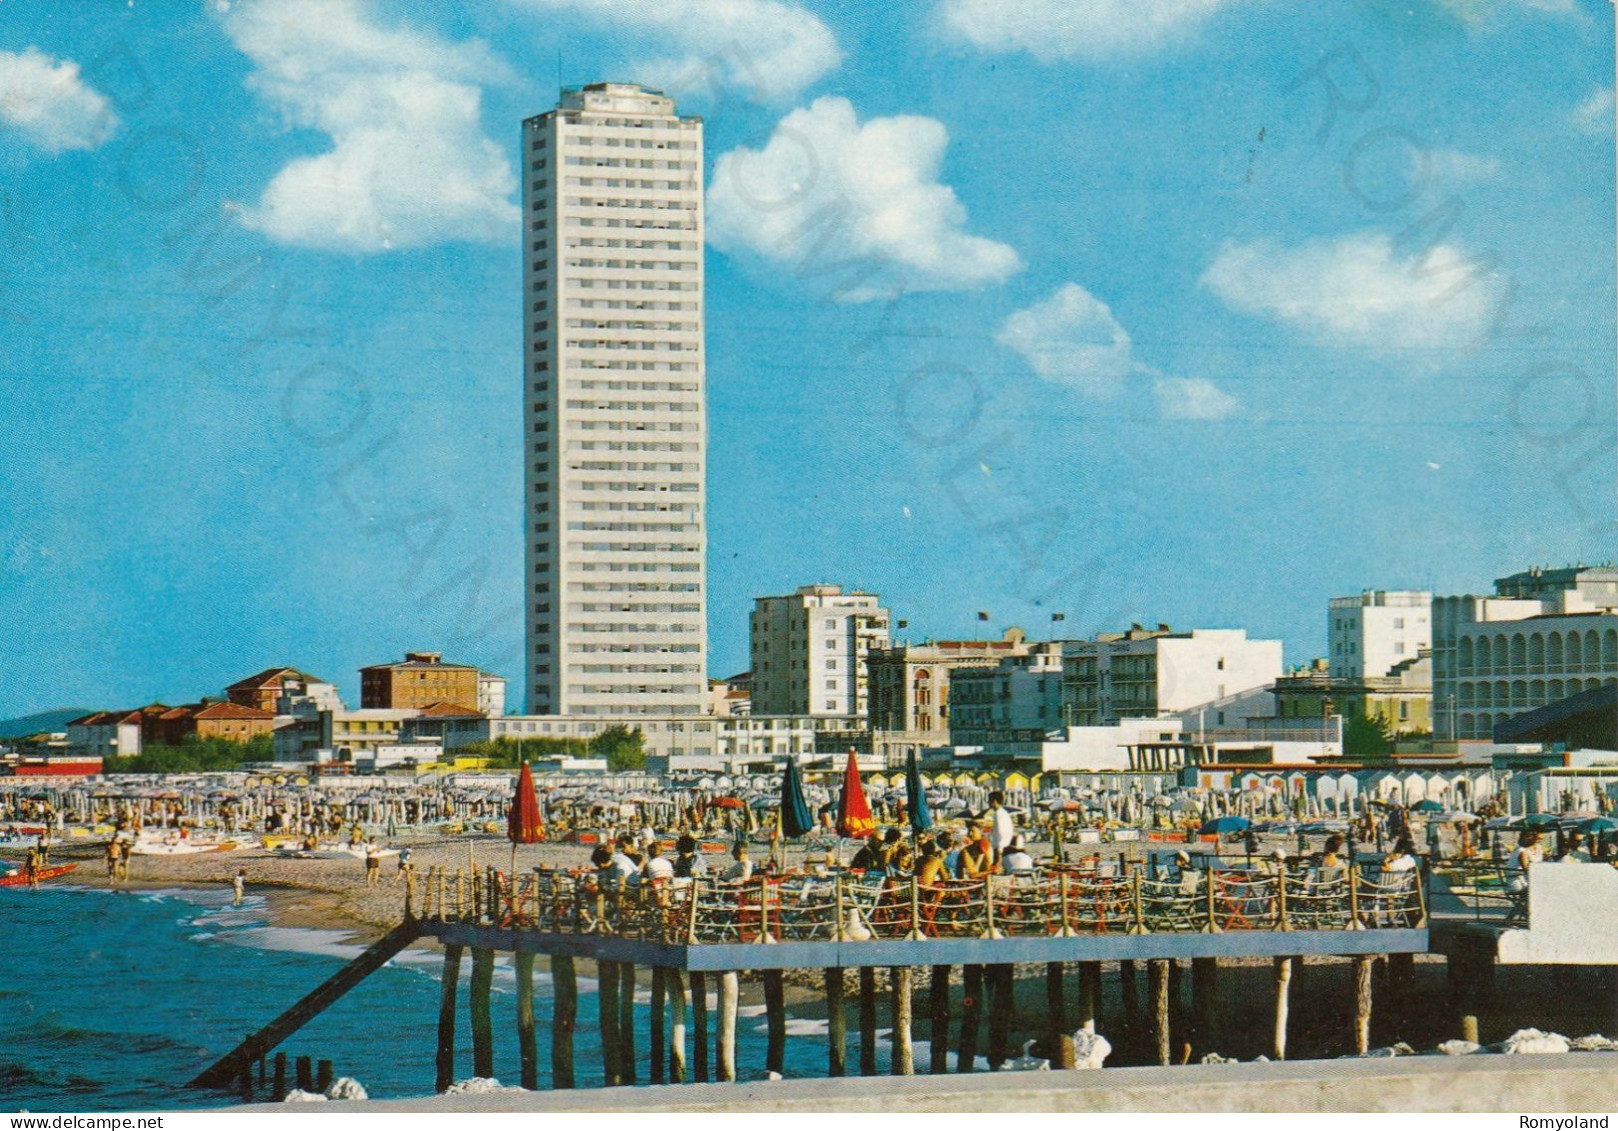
(239, 886)
(373, 866)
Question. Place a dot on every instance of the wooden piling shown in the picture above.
(867, 1021)
(728, 992)
(1469, 1028)
(1205, 1002)
(323, 1075)
(1055, 1003)
(1129, 987)
(527, 1050)
(1401, 986)
(655, 1029)
(699, 1026)
(971, 1017)
(1089, 995)
(836, 1024)
(564, 1019)
(1157, 993)
(279, 1092)
(607, 1017)
(478, 999)
(1283, 986)
(775, 1021)
(626, 1022)
(1002, 989)
(306, 1074)
(938, 1009)
(903, 1051)
(1362, 1003)
(446, 1016)
(675, 982)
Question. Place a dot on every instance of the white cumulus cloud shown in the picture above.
(826, 191)
(1072, 338)
(1093, 30)
(1192, 398)
(1360, 290)
(770, 48)
(409, 164)
(47, 102)
(1595, 114)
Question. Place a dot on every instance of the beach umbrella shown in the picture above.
(1224, 825)
(1427, 806)
(1598, 825)
(921, 817)
(523, 822)
(1539, 822)
(853, 811)
(795, 817)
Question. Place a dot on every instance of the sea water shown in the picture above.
(112, 1000)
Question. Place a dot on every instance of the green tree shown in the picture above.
(1366, 737)
(623, 748)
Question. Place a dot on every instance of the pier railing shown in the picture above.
(855, 906)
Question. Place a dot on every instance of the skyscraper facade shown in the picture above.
(615, 405)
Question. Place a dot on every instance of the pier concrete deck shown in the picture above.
(1565, 1085)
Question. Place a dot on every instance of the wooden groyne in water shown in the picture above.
(691, 933)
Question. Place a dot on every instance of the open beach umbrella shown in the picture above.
(1224, 825)
(1427, 806)
(1539, 822)
(853, 811)
(795, 817)
(921, 817)
(1597, 825)
(523, 822)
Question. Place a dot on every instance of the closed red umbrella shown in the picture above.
(853, 811)
(524, 825)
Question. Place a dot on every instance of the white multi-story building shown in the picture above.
(1144, 673)
(615, 414)
(1545, 635)
(491, 694)
(1374, 633)
(809, 651)
(1020, 693)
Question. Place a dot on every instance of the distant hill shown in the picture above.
(44, 721)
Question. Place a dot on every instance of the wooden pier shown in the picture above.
(688, 934)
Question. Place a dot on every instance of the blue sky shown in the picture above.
(1200, 311)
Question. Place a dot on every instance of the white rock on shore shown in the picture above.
(297, 1096)
(346, 1088)
(1532, 1041)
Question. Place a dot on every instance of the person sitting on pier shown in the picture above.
(892, 842)
(1331, 861)
(621, 863)
(1528, 852)
(1016, 858)
(901, 862)
(949, 855)
(1574, 850)
(688, 862)
(869, 857)
(931, 872)
(741, 870)
(975, 859)
(1403, 856)
(657, 866)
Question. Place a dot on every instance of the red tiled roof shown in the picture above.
(449, 710)
(270, 677)
(231, 711)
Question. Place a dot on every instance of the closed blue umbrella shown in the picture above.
(795, 818)
(921, 818)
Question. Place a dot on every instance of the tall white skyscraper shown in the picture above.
(616, 436)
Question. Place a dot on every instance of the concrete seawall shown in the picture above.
(1575, 1083)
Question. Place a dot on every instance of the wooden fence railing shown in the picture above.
(854, 906)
